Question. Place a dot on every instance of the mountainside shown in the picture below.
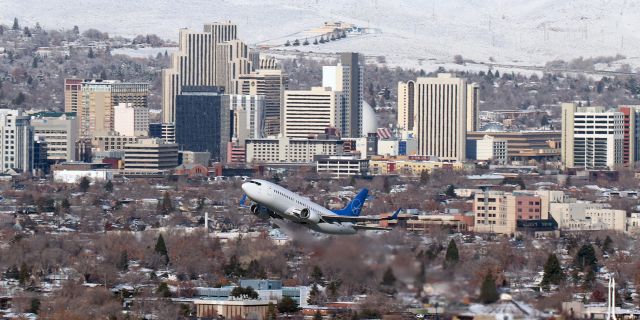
(407, 32)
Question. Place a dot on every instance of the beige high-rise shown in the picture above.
(441, 121)
(310, 112)
(408, 113)
(270, 83)
(72, 93)
(210, 58)
(96, 116)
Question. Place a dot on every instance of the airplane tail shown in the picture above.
(353, 208)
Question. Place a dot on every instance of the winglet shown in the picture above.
(394, 216)
(243, 200)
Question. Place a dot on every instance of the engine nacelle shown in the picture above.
(306, 215)
(261, 211)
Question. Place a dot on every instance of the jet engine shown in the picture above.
(261, 212)
(306, 215)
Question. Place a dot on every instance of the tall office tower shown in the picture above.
(72, 94)
(631, 144)
(98, 99)
(406, 105)
(130, 120)
(16, 141)
(592, 137)
(310, 112)
(164, 131)
(203, 121)
(197, 63)
(347, 77)
(232, 60)
(270, 83)
(247, 117)
(473, 90)
(441, 120)
(60, 132)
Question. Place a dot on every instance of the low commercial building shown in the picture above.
(233, 309)
(341, 166)
(498, 211)
(150, 157)
(192, 157)
(491, 149)
(412, 165)
(524, 145)
(111, 142)
(59, 131)
(285, 150)
(74, 176)
(586, 216)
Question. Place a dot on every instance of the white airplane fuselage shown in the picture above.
(290, 205)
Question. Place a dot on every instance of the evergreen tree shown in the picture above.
(26, 32)
(271, 311)
(553, 273)
(19, 99)
(287, 305)
(76, 30)
(161, 249)
(488, 290)
(108, 187)
(34, 63)
(24, 274)
(1, 29)
(103, 74)
(316, 274)
(123, 262)
(607, 245)
(451, 191)
(16, 25)
(314, 295)
(84, 184)
(255, 270)
(586, 257)
(451, 258)
(65, 205)
(166, 206)
(163, 290)
(91, 54)
(35, 306)
(244, 293)
(388, 279)
(424, 177)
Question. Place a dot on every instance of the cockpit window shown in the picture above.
(255, 182)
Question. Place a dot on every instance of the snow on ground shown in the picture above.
(521, 32)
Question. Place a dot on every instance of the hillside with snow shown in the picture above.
(408, 32)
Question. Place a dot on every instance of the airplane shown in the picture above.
(273, 201)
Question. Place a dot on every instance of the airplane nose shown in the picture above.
(245, 187)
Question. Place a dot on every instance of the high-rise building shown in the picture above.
(473, 90)
(309, 112)
(270, 83)
(248, 117)
(631, 143)
(592, 137)
(406, 105)
(16, 141)
(150, 156)
(96, 114)
(213, 57)
(72, 94)
(130, 120)
(164, 131)
(440, 126)
(347, 77)
(203, 121)
(60, 132)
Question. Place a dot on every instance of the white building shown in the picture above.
(491, 149)
(341, 166)
(289, 150)
(130, 120)
(16, 141)
(74, 176)
(441, 105)
(592, 138)
(309, 112)
(583, 215)
(60, 133)
(347, 78)
(248, 117)
(192, 157)
(149, 157)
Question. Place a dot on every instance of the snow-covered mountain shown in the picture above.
(509, 31)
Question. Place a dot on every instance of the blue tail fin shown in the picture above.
(354, 207)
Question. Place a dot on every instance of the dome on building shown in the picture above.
(369, 120)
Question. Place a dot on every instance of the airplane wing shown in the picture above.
(337, 218)
(360, 227)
